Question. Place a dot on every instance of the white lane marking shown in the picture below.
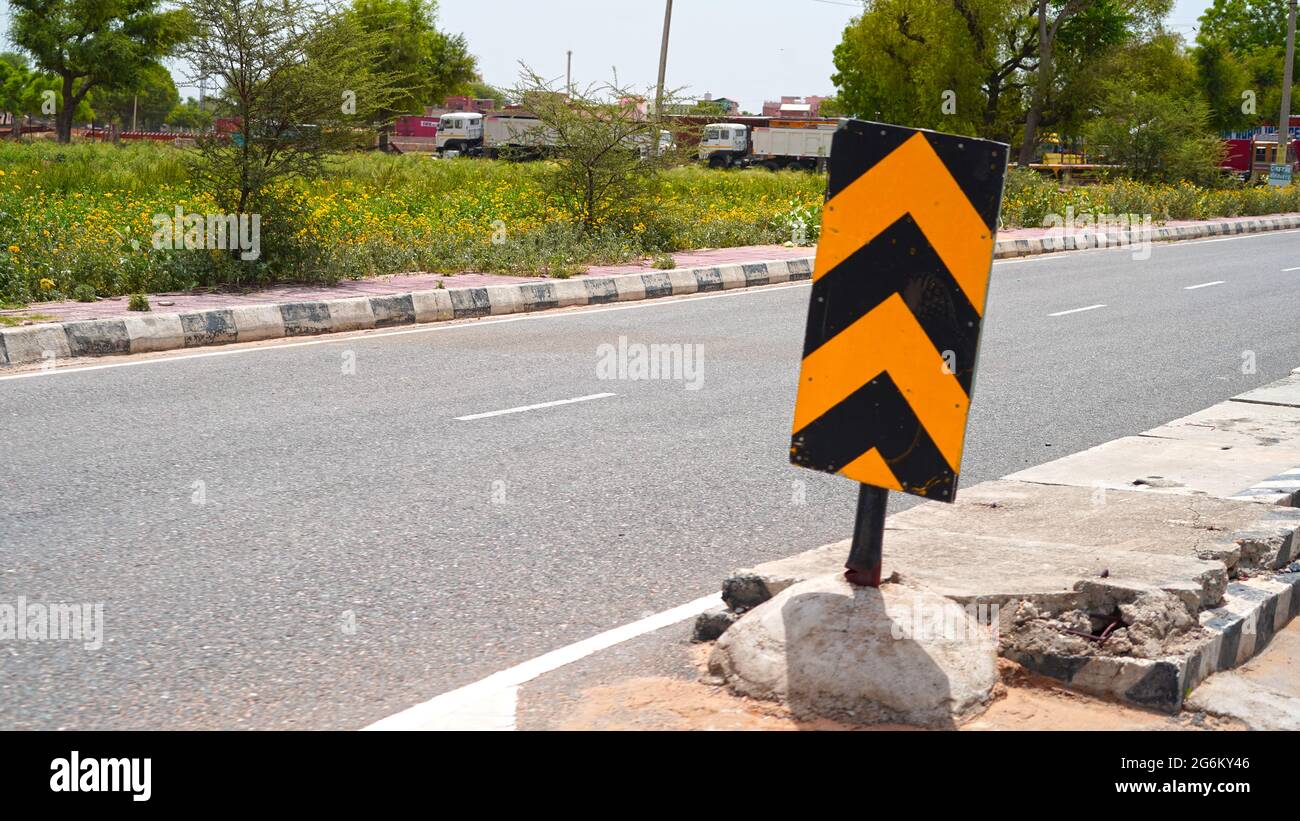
(1017, 260)
(1203, 285)
(523, 408)
(1077, 310)
(484, 704)
(431, 328)
(1289, 270)
(1230, 239)
(655, 303)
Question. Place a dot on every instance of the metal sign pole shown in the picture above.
(863, 566)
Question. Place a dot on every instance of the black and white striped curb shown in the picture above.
(1079, 240)
(162, 332)
(1252, 611)
(1282, 489)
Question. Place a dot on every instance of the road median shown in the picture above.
(49, 342)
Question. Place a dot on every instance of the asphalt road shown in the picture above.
(280, 543)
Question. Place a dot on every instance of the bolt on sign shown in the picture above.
(898, 294)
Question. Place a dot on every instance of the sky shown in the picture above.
(747, 50)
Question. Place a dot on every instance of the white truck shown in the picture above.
(460, 132)
(797, 145)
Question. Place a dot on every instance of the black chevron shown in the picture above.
(876, 415)
(900, 260)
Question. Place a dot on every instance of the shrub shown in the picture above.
(138, 302)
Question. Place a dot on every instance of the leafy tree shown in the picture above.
(1157, 136)
(23, 91)
(430, 64)
(190, 115)
(605, 149)
(298, 81)
(898, 60)
(1241, 48)
(1225, 80)
(1053, 21)
(1244, 25)
(94, 43)
(973, 66)
(147, 102)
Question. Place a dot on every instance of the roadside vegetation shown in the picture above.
(81, 215)
(1029, 198)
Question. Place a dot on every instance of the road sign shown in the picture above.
(897, 301)
(1279, 175)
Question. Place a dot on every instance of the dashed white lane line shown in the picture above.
(1289, 270)
(1077, 310)
(539, 405)
(489, 704)
(1203, 285)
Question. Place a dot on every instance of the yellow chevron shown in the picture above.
(888, 338)
(911, 180)
(871, 469)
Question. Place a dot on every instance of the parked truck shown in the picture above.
(460, 132)
(794, 144)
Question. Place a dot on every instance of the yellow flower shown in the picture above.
(47, 284)
(13, 249)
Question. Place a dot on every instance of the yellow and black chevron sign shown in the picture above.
(897, 299)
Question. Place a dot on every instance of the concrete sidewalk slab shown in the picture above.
(1157, 525)
(1284, 392)
(1163, 466)
(975, 570)
(1235, 424)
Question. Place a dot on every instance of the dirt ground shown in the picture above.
(1023, 701)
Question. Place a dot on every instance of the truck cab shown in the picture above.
(724, 144)
(460, 131)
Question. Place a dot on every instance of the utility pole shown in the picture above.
(568, 73)
(1284, 123)
(663, 69)
(135, 108)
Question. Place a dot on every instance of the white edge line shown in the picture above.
(1289, 270)
(1077, 310)
(496, 688)
(1252, 235)
(443, 326)
(431, 327)
(538, 406)
(1203, 285)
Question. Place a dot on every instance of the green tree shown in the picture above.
(1244, 25)
(190, 115)
(605, 150)
(1242, 43)
(300, 84)
(147, 102)
(94, 43)
(1228, 86)
(430, 64)
(23, 92)
(1157, 136)
(1053, 22)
